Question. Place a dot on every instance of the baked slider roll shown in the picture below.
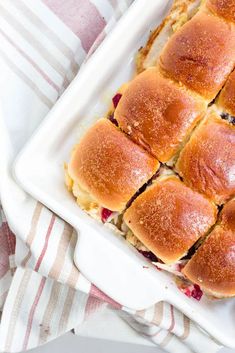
(228, 215)
(207, 162)
(109, 166)
(168, 218)
(158, 113)
(179, 14)
(226, 99)
(213, 265)
(223, 8)
(201, 54)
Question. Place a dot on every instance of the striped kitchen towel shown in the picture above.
(42, 293)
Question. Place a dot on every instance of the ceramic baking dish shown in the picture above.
(102, 256)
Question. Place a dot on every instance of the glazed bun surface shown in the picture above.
(207, 161)
(201, 54)
(227, 96)
(108, 165)
(158, 114)
(168, 218)
(228, 215)
(213, 265)
(223, 8)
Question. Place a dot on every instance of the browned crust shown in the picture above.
(213, 265)
(178, 8)
(227, 96)
(223, 8)
(201, 54)
(110, 166)
(207, 161)
(158, 114)
(168, 218)
(228, 215)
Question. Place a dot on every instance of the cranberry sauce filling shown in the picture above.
(193, 291)
(197, 292)
(149, 255)
(116, 99)
(105, 214)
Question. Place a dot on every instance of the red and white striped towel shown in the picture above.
(42, 293)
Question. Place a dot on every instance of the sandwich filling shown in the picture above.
(115, 221)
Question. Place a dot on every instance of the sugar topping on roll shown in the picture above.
(158, 113)
(109, 166)
(213, 265)
(201, 54)
(223, 8)
(207, 162)
(169, 217)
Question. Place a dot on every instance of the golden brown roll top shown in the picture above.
(168, 218)
(207, 162)
(213, 265)
(228, 215)
(158, 114)
(223, 8)
(201, 54)
(226, 99)
(108, 165)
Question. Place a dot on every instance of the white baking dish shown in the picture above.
(101, 255)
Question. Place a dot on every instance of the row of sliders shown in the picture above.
(162, 117)
(168, 217)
